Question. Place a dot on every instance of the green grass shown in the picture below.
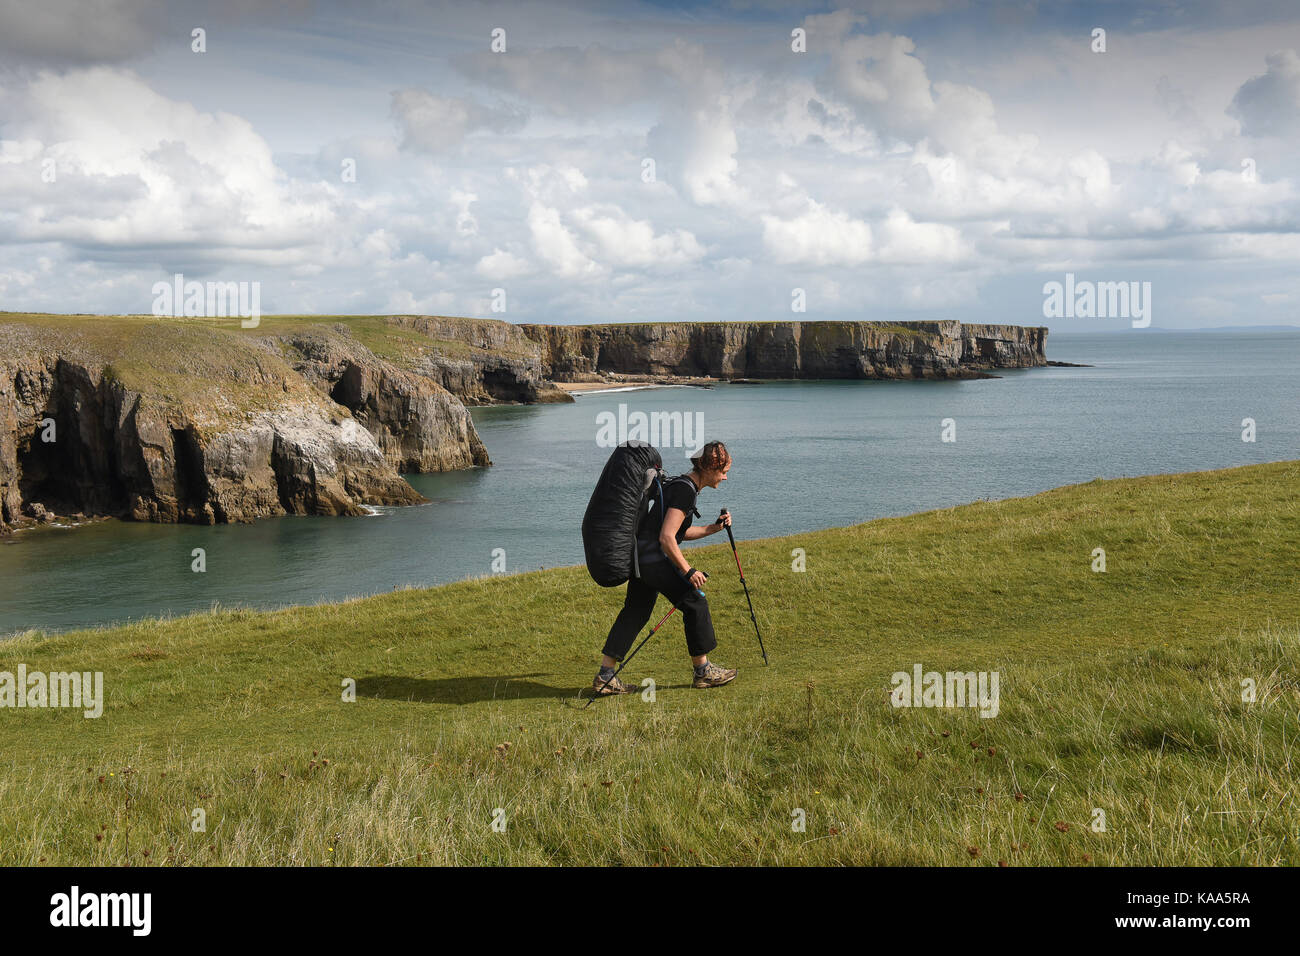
(386, 339)
(1120, 691)
(215, 364)
(211, 367)
(397, 343)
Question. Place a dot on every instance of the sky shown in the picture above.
(628, 161)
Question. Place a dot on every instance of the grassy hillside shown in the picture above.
(211, 366)
(1120, 691)
(117, 333)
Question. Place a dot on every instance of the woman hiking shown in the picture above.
(665, 571)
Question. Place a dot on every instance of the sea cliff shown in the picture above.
(203, 421)
(786, 350)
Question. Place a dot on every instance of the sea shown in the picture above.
(806, 456)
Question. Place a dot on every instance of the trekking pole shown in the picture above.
(736, 555)
(630, 656)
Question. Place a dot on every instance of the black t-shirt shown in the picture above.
(679, 493)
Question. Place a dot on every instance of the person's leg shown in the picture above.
(700, 638)
(637, 608)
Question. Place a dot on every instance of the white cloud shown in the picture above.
(381, 245)
(877, 73)
(633, 242)
(405, 302)
(466, 224)
(553, 242)
(827, 237)
(902, 240)
(500, 265)
(819, 237)
(549, 183)
(434, 124)
(133, 168)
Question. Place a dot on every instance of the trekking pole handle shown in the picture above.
(730, 537)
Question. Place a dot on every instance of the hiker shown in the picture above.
(664, 570)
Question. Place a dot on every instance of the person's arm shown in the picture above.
(704, 530)
(673, 518)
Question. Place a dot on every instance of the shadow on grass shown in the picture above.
(459, 690)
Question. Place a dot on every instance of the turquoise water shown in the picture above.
(807, 456)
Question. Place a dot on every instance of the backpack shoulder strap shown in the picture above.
(653, 485)
(695, 492)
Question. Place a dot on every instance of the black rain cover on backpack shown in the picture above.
(610, 522)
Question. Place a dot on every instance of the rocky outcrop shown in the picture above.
(419, 425)
(157, 423)
(480, 361)
(790, 350)
(1003, 346)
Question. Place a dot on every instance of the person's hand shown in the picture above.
(697, 580)
(724, 520)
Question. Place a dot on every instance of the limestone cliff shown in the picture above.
(487, 361)
(480, 361)
(770, 350)
(185, 422)
(419, 425)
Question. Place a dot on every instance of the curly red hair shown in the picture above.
(712, 457)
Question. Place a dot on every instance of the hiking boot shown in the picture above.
(614, 686)
(713, 675)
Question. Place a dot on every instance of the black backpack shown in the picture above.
(616, 509)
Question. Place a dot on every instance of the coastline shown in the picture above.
(596, 388)
(380, 594)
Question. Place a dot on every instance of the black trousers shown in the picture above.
(660, 577)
